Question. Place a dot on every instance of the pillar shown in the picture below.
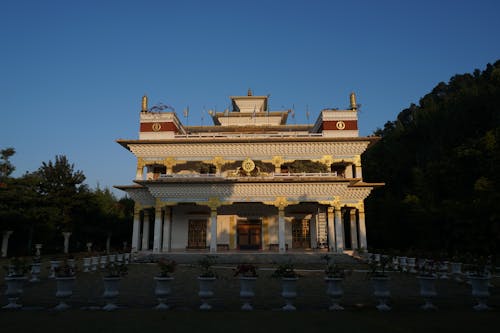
(136, 230)
(348, 171)
(354, 229)
(281, 229)
(362, 228)
(331, 229)
(139, 171)
(66, 236)
(213, 229)
(339, 231)
(157, 230)
(145, 231)
(167, 222)
(5, 242)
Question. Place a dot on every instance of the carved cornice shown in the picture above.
(280, 202)
(213, 203)
(278, 161)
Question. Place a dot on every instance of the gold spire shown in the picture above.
(144, 103)
(249, 93)
(353, 101)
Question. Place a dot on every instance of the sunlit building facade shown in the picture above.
(250, 181)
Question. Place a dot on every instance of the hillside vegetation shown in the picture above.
(440, 161)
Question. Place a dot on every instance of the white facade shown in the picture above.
(240, 184)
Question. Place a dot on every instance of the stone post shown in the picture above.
(354, 229)
(213, 229)
(281, 229)
(5, 242)
(166, 230)
(38, 248)
(136, 230)
(362, 227)
(145, 231)
(89, 247)
(66, 236)
(331, 229)
(157, 229)
(339, 231)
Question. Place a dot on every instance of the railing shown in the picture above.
(248, 135)
(270, 175)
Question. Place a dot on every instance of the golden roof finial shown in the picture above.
(354, 106)
(249, 93)
(144, 103)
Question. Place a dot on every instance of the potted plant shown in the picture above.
(163, 282)
(206, 280)
(286, 272)
(113, 275)
(35, 269)
(54, 263)
(16, 275)
(248, 276)
(479, 277)
(427, 280)
(65, 275)
(334, 275)
(380, 282)
(456, 267)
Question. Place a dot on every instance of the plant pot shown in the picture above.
(247, 287)
(71, 263)
(480, 291)
(53, 265)
(456, 271)
(64, 291)
(162, 290)
(126, 258)
(443, 270)
(427, 291)
(94, 262)
(411, 265)
(403, 263)
(381, 292)
(112, 258)
(35, 272)
(14, 290)
(86, 264)
(335, 292)
(119, 258)
(289, 292)
(206, 291)
(103, 260)
(111, 292)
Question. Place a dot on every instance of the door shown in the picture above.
(197, 234)
(249, 235)
(301, 234)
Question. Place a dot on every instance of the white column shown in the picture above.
(331, 230)
(354, 229)
(281, 229)
(213, 229)
(66, 236)
(339, 231)
(136, 230)
(348, 171)
(145, 231)
(138, 174)
(5, 242)
(157, 230)
(362, 228)
(166, 230)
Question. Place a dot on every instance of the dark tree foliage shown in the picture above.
(39, 206)
(440, 161)
(6, 167)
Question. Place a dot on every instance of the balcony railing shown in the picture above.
(269, 175)
(248, 135)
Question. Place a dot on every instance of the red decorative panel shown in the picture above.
(158, 127)
(344, 125)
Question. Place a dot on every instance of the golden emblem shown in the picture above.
(156, 127)
(340, 125)
(248, 165)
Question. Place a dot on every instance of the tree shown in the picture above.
(6, 168)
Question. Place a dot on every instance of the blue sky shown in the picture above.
(72, 73)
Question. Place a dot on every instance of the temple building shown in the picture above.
(250, 181)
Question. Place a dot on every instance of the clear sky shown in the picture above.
(72, 73)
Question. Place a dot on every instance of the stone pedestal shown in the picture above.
(66, 236)
(38, 248)
(5, 242)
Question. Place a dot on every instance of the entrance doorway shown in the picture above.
(197, 234)
(301, 234)
(249, 234)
